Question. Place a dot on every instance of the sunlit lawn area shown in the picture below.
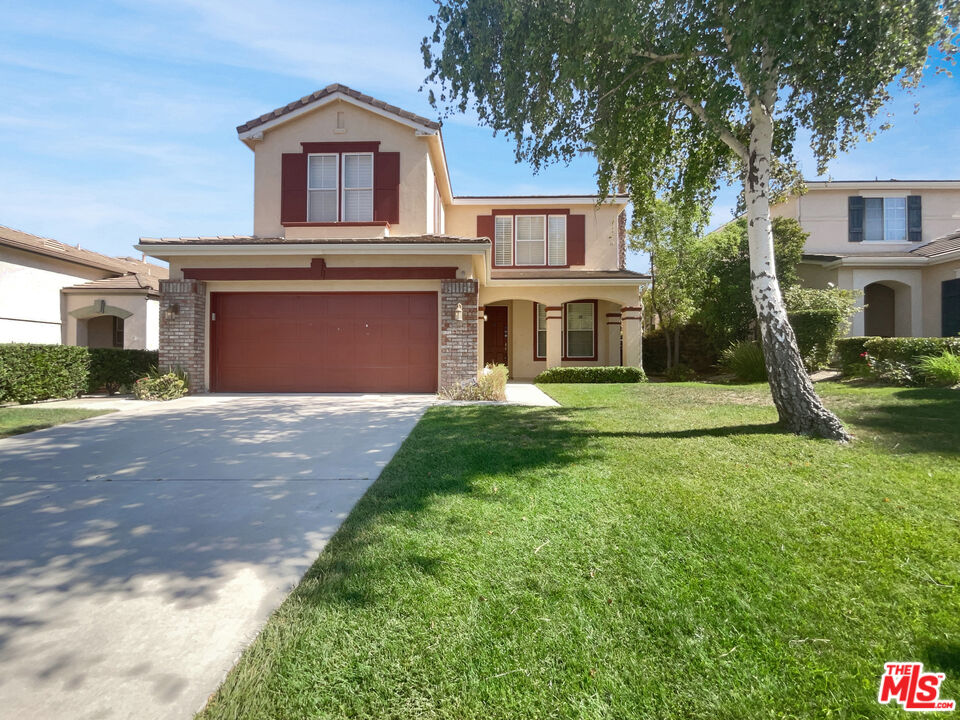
(651, 551)
(18, 420)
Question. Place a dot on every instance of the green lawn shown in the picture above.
(647, 551)
(19, 420)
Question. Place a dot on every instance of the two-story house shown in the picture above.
(897, 241)
(365, 273)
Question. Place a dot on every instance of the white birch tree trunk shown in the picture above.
(800, 409)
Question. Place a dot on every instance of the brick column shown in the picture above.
(554, 335)
(458, 332)
(480, 316)
(183, 314)
(613, 339)
(632, 324)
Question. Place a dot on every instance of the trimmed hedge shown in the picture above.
(613, 374)
(816, 332)
(848, 354)
(39, 372)
(909, 350)
(29, 373)
(113, 369)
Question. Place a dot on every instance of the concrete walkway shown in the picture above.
(525, 393)
(141, 551)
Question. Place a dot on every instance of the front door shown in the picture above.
(495, 335)
(950, 308)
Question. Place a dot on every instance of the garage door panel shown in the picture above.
(324, 342)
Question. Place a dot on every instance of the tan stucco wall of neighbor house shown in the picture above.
(823, 214)
(30, 301)
(359, 125)
(933, 277)
(600, 226)
(140, 313)
(907, 284)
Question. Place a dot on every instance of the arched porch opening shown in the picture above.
(887, 311)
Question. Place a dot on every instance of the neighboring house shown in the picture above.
(898, 241)
(366, 273)
(60, 294)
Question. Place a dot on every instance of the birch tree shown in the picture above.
(672, 95)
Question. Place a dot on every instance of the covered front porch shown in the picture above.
(532, 329)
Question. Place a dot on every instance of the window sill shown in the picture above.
(370, 223)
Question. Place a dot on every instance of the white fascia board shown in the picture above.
(167, 251)
(868, 261)
(538, 201)
(335, 97)
(570, 281)
(883, 185)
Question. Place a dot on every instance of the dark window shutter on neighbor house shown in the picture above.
(576, 240)
(386, 187)
(914, 219)
(855, 207)
(293, 187)
(950, 308)
(485, 227)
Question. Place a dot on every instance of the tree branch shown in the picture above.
(723, 132)
(668, 57)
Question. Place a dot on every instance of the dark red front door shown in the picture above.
(495, 335)
(323, 342)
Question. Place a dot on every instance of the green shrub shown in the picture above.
(40, 372)
(681, 373)
(614, 374)
(850, 355)
(817, 333)
(697, 349)
(745, 360)
(942, 369)
(490, 385)
(113, 370)
(160, 387)
(909, 350)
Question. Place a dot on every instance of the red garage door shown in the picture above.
(323, 342)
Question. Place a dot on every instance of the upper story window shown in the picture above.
(886, 219)
(327, 201)
(530, 240)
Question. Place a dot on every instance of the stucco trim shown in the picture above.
(92, 311)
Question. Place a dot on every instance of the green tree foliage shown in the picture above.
(726, 309)
(673, 96)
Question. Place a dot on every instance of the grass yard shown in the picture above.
(646, 551)
(19, 420)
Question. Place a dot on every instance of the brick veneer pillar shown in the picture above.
(183, 312)
(458, 337)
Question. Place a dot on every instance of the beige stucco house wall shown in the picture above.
(910, 273)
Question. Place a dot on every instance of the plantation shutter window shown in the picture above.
(580, 330)
(531, 240)
(557, 240)
(503, 240)
(914, 219)
(357, 187)
(322, 188)
(541, 329)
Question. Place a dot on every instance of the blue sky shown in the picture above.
(118, 118)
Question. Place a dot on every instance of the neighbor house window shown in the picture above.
(557, 240)
(531, 239)
(504, 240)
(540, 331)
(322, 188)
(580, 331)
(357, 187)
(889, 219)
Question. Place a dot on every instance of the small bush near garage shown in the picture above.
(29, 373)
(114, 370)
(490, 385)
(745, 360)
(613, 374)
(168, 386)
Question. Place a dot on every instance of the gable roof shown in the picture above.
(330, 92)
(20, 240)
(946, 244)
(132, 281)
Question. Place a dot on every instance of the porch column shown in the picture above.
(631, 320)
(614, 356)
(554, 335)
(480, 318)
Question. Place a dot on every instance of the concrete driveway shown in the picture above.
(140, 552)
